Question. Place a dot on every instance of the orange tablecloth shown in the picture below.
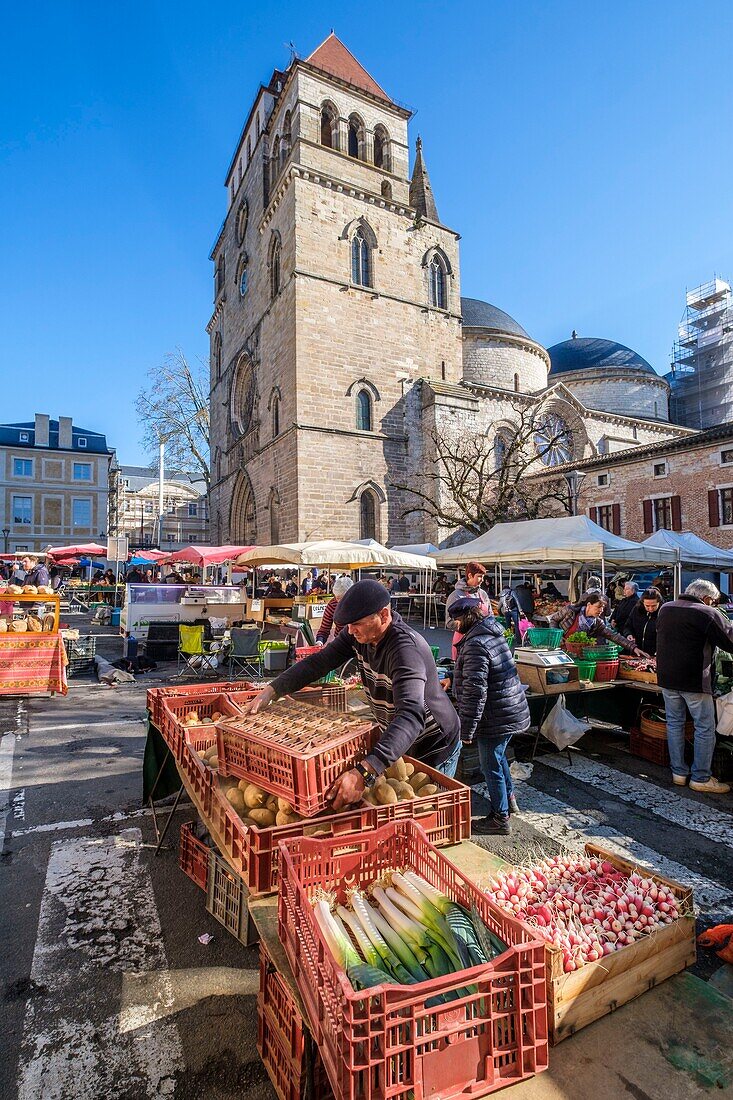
(32, 663)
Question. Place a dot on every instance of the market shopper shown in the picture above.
(623, 610)
(400, 679)
(469, 585)
(587, 616)
(688, 630)
(641, 626)
(492, 703)
(35, 571)
(340, 587)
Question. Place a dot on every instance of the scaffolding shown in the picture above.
(701, 378)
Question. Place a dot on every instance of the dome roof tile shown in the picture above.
(589, 353)
(478, 314)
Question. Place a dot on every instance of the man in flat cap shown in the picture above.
(400, 679)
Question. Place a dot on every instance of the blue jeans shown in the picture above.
(702, 709)
(494, 765)
(448, 767)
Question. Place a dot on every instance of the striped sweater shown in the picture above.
(327, 623)
(401, 683)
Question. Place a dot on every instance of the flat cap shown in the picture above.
(364, 598)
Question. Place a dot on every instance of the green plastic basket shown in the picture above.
(604, 652)
(586, 669)
(435, 650)
(543, 637)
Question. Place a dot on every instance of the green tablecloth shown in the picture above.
(155, 753)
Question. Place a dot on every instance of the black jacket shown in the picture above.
(622, 613)
(687, 633)
(401, 684)
(491, 700)
(643, 627)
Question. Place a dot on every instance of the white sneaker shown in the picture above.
(679, 780)
(712, 786)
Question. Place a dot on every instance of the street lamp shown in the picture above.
(574, 479)
(6, 536)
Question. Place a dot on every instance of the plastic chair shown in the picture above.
(194, 652)
(244, 653)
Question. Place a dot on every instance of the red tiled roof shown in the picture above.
(333, 57)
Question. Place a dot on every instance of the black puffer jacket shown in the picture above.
(491, 700)
(643, 627)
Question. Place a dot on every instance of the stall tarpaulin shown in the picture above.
(330, 552)
(424, 549)
(84, 550)
(204, 555)
(565, 541)
(692, 550)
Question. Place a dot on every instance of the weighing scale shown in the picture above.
(543, 658)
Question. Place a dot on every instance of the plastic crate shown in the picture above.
(156, 696)
(80, 653)
(226, 897)
(586, 669)
(435, 650)
(272, 643)
(445, 817)
(193, 854)
(293, 750)
(174, 710)
(606, 671)
(601, 652)
(284, 1042)
(386, 1042)
(543, 637)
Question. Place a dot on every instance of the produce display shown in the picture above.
(588, 908)
(402, 931)
(544, 606)
(398, 783)
(26, 590)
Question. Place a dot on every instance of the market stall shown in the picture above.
(32, 654)
(172, 604)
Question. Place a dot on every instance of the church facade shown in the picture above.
(340, 343)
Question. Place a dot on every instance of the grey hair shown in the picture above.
(702, 589)
(632, 584)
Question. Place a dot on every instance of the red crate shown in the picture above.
(606, 670)
(193, 854)
(307, 651)
(385, 1042)
(174, 709)
(445, 817)
(267, 749)
(156, 695)
(282, 1039)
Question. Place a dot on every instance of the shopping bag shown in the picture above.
(724, 709)
(561, 727)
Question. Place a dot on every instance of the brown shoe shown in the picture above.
(712, 786)
(679, 780)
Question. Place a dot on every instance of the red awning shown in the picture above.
(205, 555)
(86, 550)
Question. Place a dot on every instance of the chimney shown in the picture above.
(65, 433)
(41, 430)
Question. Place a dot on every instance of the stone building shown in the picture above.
(54, 483)
(339, 339)
(134, 508)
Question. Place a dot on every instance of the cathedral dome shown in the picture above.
(587, 353)
(478, 314)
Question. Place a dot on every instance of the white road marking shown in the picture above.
(98, 923)
(571, 828)
(699, 817)
(82, 823)
(56, 727)
(7, 749)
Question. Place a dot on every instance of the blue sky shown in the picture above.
(584, 152)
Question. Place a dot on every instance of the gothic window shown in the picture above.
(501, 449)
(355, 147)
(381, 149)
(364, 411)
(275, 416)
(437, 282)
(242, 277)
(386, 189)
(367, 515)
(329, 118)
(287, 139)
(219, 272)
(242, 216)
(516, 383)
(360, 260)
(243, 395)
(553, 441)
(249, 149)
(243, 514)
(275, 160)
(217, 354)
(275, 267)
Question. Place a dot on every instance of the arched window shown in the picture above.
(516, 383)
(360, 260)
(287, 139)
(249, 149)
(217, 354)
(275, 160)
(386, 189)
(367, 515)
(242, 218)
(243, 395)
(274, 518)
(275, 416)
(382, 157)
(355, 144)
(243, 513)
(242, 277)
(364, 411)
(553, 440)
(437, 282)
(275, 267)
(501, 448)
(329, 119)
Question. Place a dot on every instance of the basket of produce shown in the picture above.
(643, 670)
(414, 982)
(178, 713)
(543, 637)
(293, 750)
(586, 669)
(155, 696)
(606, 671)
(612, 930)
(653, 723)
(576, 642)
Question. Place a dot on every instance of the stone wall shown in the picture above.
(494, 361)
(631, 394)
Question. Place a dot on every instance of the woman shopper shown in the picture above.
(492, 704)
(340, 587)
(641, 626)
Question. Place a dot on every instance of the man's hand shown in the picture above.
(259, 702)
(319, 643)
(446, 684)
(639, 652)
(348, 789)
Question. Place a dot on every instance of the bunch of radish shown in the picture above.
(585, 907)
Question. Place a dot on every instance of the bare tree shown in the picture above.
(477, 479)
(174, 409)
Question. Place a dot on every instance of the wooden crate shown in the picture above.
(626, 673)
(577, 999)
(535, 676)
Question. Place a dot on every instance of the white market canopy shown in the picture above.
(692, 550)
(329, 552)
(567, 540)
(424, 549)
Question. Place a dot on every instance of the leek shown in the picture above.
(362, 975)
